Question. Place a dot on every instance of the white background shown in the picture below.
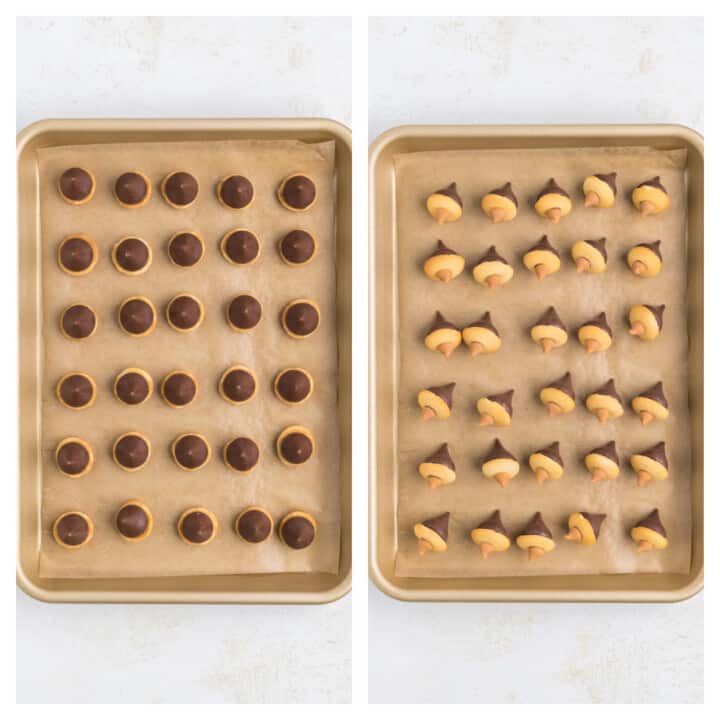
(194, 67)
(527, 70)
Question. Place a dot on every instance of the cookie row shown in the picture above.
(558, 397)
(552, 202)
(196, 526)
(603, 463)
(131, 451)
(134, 386)
(297, 192)
(491, 536)
(137, 316)
(493, 270)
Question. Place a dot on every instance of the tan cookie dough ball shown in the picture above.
(549, 332)
(442, 336)
(178, 388)
(197, 526)
(300, 318)
(605, 403)
(184, 313)
(131, 451)
(254, 525)
(298, 530)
(74, 457)
(650, 533)
(444, 264)
(76, 391)
(481, 336)
(600, 190)
(646, 321)
(496, 409)
(436, 402)
(559, 396)
(500, 205)
(650, 197)
(191, 451)
(78, 322)
(650, 464)
(536, 538)
(438, 469)
(432, 534)
(131, 255)
(235, 192)
(77, 254)
(297, 193)
(651, 404)
(553, 202)
(500, 464)
(179, 189)
(133, 386)
(137, 316)
(603, 462)
(76, 186)
(595, 335)
(491, 536)
(73, 529)
(547, 463)
(186, 248)
(133, 189)
(134, 521)
(445, 205)
(542, 259)
(492, 270)
(645, 259)
(590, 256)
(295, 445)
(293, 386)
(584, 528)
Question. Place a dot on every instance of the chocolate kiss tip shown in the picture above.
(541, 271)
(503, 479)
(637, 328)
(638, 267)
(427, 413)
(643, 478)
(476, 348)
(442, 215)
(646, 208)
(547, 344)
(582, 265)
(574, 534)
(444, 275)
(541, 475)
(446, 348)
(423, 546)
(485, 550)
(497, 214)
(645, 418)
(592, 199)
(644, 546)
(598, 475)
(591, 346)
(535, 552)
(486, 419)
(602, 414)
(553, 409)
(492, 281)
(554, 215)
(434, 482)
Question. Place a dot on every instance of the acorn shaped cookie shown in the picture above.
(595, 335)
(442, 336)
(492, 269)
(438, 469)
(500, 464)
(482, 336)
(649, 533)
(436, 402)
(645, 259)
(650, 464)
(496, 409)
(584, 528)
(600, 190)
(445, 204)
(547, 463)
(646, 321)
(500, 205)
(536, 538)
(559, 396)
(542, 258)
(603, 462)
(553, 202)
(444, 264)
(605, 403)
(651, 404)
(650, 197)
(549, 332)
(491, 536)
(590, 256)
(432, 534)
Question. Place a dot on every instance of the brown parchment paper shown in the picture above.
(521, 365)
(206, 353)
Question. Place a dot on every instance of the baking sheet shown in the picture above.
(521, 365)
(209, 350)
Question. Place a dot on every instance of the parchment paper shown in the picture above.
(521, 365)
(206, 353)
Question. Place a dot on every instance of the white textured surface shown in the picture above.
(182, 67)
(528, 70)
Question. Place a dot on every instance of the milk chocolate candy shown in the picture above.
(78, 322)
(547, 463)
(549, 331)
(559, 396)
(432, 534)
(184, 312)
(496, 409)
(542, 258)
(595, 334)
(645, 259)
(77, 254)
(243, 313)
(73, 529)
(74, 457)
(590, 256)
(649, 533)
(178, 388)
(436, 402)
(500, 204)
(235, 192)
(133, 386)
(600, 190)
(481, 336)
(646, 321)
(650, 464)
(131, 451)
(295, 445)
(584, 528)
(131, 256)
(553, 202)
(76, 186)
(445, 205)
(444, 264)
(254, 525)
(76, 391)
(650, 197)
(605, 403)
(536, 538)
(298, 247)
(133, 189)
(240, 247)
(293, 385)
(180, 189)
(238, 384)
(651, 404)
(191, 451)
(197, 526)
(500, 464)
(136, 316)
(186, 248)
(492, 269)
(298, 530)
(297, 193)
(491, 536)
(134, 521)
(300, 318)
(603, 462)
(438, 469)
(442, 336)
(241, 454)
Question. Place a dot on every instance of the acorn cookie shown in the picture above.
(184, 313)
(134, 521)
(649, 533)
(650, 464)
(243, 313)
(297, 193)
(186, 249)
(133, 386)
(436, 402)
(584, 528)
(74, 457)
(553, 202)
(131, 451)
(542, 258)
(481, 336)
(438, 469)
(603, 462)
(547, 463)
(646, 321)
(500, 464)
(179, 189)
(645, 259)
(590, 256)
(600, 190)
(78, 322)
(76, 391)
(536, 538)
(432, 534)
(295, 445)
(491, 536)
(235, 192)
(240, 247)
(605, 403)
(651, 404)
(559, 396)
(496, 409)
(131, 256)
(293, 385)
(197, 526)
(300, 318)
(133, 189)
(76, 186)
(254, 524)
(444, 264)
(595, 335)
(500, 205)
(298, 248)
(297, 530)
(241, 454)
(650, 197)
(178, 388)
(191, 451)
(442, 336)
(445, 205)
(492, 269)
(73, 529)
(238, 384)
(77, 254)
(549, 332)
(137, 316)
